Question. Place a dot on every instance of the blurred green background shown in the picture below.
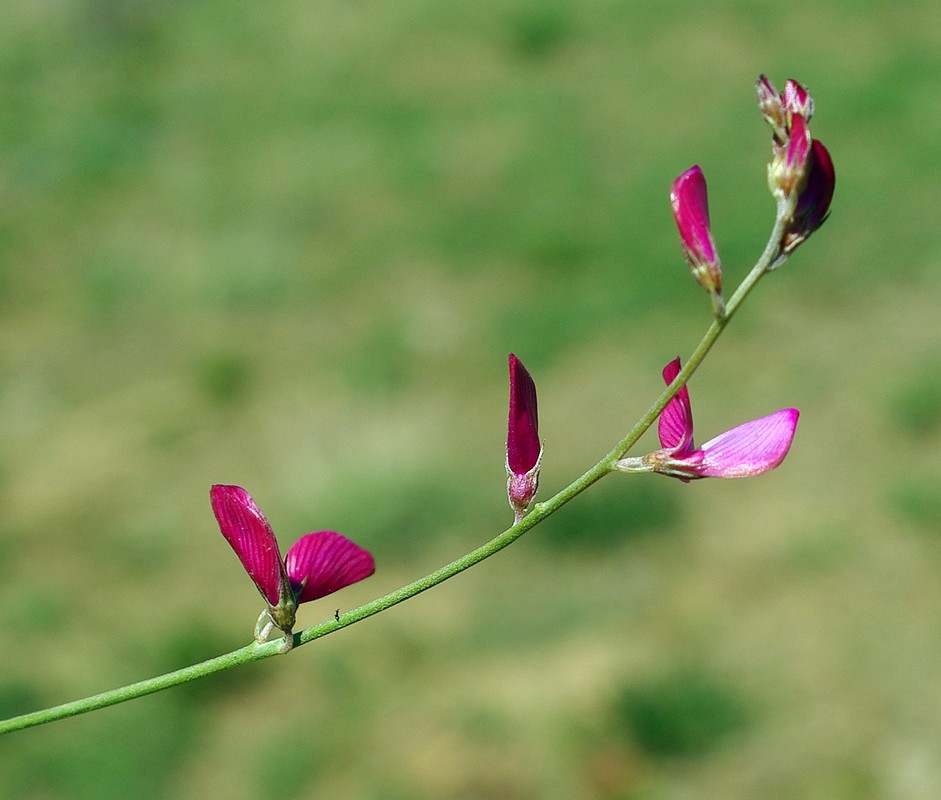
(289, 246)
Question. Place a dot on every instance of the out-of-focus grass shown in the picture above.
(289, 247)
(682, 714)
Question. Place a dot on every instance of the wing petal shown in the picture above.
(675, 426)
(320, 563)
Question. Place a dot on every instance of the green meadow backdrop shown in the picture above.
(289, 245)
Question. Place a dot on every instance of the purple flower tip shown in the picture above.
(523, 448)
(749, 449)
(320, 563)
(690, 202)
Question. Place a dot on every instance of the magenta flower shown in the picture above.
(317, 564)
(749, 449)
(523, 448)
(690, 203)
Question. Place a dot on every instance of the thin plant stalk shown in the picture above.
(257, 652)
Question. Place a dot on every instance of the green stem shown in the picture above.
(236, 658)
(257, 652)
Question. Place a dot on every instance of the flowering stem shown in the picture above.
(770, 255)
(257, 652)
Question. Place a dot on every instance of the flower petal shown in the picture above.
(690, 202)
(522, 439)
(320, 563)
(675, 426)
(788, 170)
(797, 100)
(248, 532)
(750, 449)
(772, 107)
(813, 203)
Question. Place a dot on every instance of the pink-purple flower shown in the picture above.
(316, 565)
(690, 202)
(523, 448)
(800, 164)
(749, 449)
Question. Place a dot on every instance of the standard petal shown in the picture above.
(675, 426)
(750, 449)
(246, 529)
(323, 562)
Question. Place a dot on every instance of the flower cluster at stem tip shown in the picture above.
(801, 166)
(801, 179)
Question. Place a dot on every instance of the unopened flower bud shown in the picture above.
(787, 172)
(797, 100)
(772, 107)
(690, 203)
(523, 448)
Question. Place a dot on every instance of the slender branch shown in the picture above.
(257, 652)
(252, 652)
